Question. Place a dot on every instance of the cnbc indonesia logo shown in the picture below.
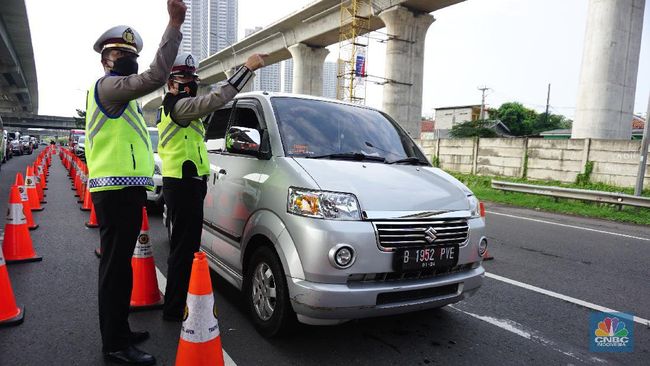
(610, 333)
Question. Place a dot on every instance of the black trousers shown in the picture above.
(184, 199)
(119, 214)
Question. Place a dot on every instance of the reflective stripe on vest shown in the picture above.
(180, 144)
(118, 148)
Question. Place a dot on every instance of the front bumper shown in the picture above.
(319, 303)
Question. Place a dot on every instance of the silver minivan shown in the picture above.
(323, 212)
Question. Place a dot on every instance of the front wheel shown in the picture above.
(267, 295)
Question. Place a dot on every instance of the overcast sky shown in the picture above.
(515, 47)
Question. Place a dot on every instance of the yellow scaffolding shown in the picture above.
(353, 46)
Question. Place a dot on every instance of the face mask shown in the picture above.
(192, 85)
(125, 66)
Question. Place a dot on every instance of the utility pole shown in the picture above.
(548, 99)
(644, 154)
(483, 89)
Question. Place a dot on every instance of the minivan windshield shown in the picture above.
(322, 129)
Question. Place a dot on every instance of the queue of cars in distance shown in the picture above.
(322, 212)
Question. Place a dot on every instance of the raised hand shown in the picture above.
(176, 10)
(255, 61)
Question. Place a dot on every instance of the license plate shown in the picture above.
(438, 257)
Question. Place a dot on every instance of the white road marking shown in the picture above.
(162, 284)
(566, 298)
(518, 329)
(569, 226)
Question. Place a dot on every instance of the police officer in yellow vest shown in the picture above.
(185, 166)
(120, 166)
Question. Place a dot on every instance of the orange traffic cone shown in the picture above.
(27, 210)
(30, 184)
(87, 200)
(17, 244)
(145, 294)
(39, 186)
(200, 342)
(42, 173)
(10, 313)
(82, 189)
(92, 222)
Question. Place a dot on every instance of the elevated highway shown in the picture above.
(304, 34)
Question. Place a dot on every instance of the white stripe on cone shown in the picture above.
(29, 182)
(23, 193)
(143, 246)
(15, 215)
(200, 324)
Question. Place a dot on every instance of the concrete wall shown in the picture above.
(501, 157)
(560, 160)
(457, 154)
(615, 162)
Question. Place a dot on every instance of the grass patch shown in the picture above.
(481, 186)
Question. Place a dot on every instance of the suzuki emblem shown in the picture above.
(430, 234)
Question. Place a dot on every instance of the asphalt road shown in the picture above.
(549, 272)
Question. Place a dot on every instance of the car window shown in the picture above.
(246, 116)
(316, 127)
(217, 123)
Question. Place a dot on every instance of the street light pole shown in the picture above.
(643, 161)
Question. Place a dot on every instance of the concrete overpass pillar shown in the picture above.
(308, 69)
(610, 62)
(405, 66)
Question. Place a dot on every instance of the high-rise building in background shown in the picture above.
(288, 76)
(330, 71)
(268, 77)
(210, 26)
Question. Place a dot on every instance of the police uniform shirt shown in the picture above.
(186, 110)
(115, 91)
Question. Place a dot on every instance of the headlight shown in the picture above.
(474, 206)
(156, 170)
(322, 204)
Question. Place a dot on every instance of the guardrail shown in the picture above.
(573, 193)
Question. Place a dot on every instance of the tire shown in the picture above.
(281, 319)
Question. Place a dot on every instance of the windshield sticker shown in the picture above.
(300, 149)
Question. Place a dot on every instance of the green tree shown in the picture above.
(479, 128)
(552, 122)
(80, 120)
(519, 119)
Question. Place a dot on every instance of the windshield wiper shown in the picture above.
(351, 155)
(410, 159)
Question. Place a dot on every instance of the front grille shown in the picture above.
(406, 234)
(425, 293)
(360, 278)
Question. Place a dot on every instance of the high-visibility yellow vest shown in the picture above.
(177, 144)
(118, 148)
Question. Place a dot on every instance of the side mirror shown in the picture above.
(243, 140)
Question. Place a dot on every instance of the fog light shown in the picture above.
(342, 256)
(482, 246)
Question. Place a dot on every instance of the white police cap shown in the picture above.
(184, 64)
(122, 37)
